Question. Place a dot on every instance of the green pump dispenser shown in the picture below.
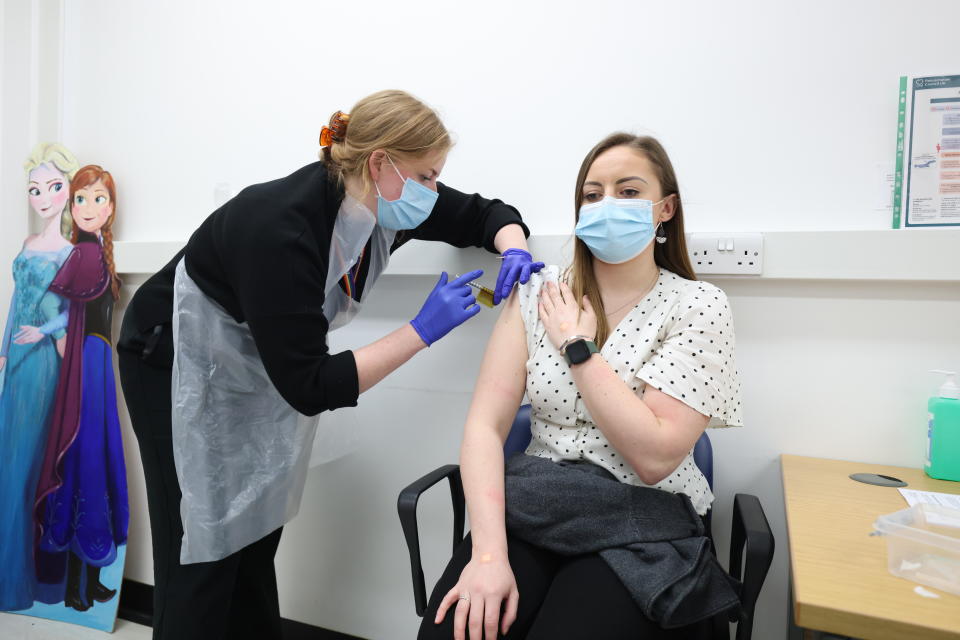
(943, 431)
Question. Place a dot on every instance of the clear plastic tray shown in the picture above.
(923, 545)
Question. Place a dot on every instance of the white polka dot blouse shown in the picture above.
(679, 339)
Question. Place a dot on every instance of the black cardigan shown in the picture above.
(263, 256)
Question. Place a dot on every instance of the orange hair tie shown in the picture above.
(337, 130)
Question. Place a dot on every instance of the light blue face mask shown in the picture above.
(410, 209)
(616, 230)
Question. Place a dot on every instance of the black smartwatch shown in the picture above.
(578, 349)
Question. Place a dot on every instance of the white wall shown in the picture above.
(14, 111)
(30, 101)
(139, 558)
(776, 116)
(775, 113)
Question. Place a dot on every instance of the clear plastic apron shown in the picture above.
(241, 452)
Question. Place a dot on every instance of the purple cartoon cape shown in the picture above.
(83, 277)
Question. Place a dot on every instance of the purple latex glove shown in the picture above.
(448, 305)
(517, 265)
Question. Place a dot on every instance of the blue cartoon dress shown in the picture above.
(29, 381)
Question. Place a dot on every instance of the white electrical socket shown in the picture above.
(726, 253)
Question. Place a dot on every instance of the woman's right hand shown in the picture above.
(449, 305)
(28, 335)
(486, 584)
(562, 317)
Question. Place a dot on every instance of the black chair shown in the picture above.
(751, 540)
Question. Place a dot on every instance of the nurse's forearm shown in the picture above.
(510, 237)
(377, 360)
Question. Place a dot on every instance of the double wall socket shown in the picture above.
(725, 253)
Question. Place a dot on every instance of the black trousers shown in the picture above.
(235, 597)
(560, 598)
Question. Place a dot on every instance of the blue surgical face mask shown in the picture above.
(616, 230)
(410, 209)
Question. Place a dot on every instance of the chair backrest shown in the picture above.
(703, 457)
(519, 438)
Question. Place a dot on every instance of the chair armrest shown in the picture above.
(751, 531)
(407, 508)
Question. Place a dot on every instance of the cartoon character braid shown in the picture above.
(107, 234)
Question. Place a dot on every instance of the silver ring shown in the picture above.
(467, 598)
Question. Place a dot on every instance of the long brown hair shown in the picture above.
(85, 177)
(671, 255)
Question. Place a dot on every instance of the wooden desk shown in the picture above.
(839, 573)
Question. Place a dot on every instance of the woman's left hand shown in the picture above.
(562, 317)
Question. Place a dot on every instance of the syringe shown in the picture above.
(484, 295)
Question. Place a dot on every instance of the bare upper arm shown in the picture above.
(503, 372)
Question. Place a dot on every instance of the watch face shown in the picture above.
(577, 352)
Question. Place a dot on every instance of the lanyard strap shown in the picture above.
(349, 280)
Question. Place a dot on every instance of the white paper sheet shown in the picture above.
(948, 500)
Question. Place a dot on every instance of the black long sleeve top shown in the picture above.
(263, 256)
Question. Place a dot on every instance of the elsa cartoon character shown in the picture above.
(29, 364)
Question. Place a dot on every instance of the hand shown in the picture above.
(3, 362)
(562, 317)
(484, 586)
(62, 345)
(28, 335)
(447, 306)
(517, 265)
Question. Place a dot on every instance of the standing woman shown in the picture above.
(237, 323)
(29, 364)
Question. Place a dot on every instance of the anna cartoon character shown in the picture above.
(29, 367)
(82, 491)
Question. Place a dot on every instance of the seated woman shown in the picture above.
(595, 533)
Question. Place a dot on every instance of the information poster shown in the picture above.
(928, 145)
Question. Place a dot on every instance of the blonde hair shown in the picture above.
(391, 120)
(58, 156)
(55, 154)
(671, 255)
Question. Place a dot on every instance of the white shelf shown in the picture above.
(885, 254)
(894, 255)
(143, 258)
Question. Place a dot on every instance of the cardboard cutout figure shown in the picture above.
(80, 513)
(30, 364)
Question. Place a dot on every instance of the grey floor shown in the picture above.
(16, 627)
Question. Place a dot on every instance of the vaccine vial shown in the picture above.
(484, 295)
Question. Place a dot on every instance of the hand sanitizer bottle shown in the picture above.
(943, 431)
